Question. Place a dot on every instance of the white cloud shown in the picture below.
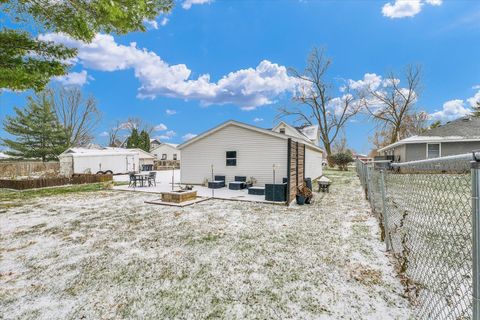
(164, 21)
(370, 80)
(477, 87)
(434, 2)
(167, 135)
(473, 100)
(151, 23)
(452, 110)
(188, 136)
(187, 4)
(160, 127)
(457, 108)
(170, 112)
(74, 78)
(257, 119)
(406, 8)
(104, 134)
(248, 88)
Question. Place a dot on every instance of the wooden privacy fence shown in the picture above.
(28, 168)
(296, 167)
(166, 164)
(52, 182)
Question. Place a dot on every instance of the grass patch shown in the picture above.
(10, 195)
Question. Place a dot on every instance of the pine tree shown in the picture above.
(144, 141)
(133, 140)
(37, 130)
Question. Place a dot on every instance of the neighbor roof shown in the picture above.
(85, 152)
(308, 133)
(248, 127)
(461, 130)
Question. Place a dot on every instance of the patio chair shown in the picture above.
(152, 177)
(133, 180)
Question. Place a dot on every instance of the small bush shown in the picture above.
(341, 160)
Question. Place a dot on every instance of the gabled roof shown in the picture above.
(297, 132)
(170, 145)
(109, 151)
(461, 130)
(248, 127)
(307, 132)
(311, 132)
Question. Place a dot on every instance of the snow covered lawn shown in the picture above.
(108, 255)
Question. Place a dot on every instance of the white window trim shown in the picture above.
(439, 149)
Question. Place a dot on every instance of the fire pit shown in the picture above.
(179, 196)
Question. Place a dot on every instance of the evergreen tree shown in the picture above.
(144, 141)
(133, 140)
(37, 130)
(29, 62)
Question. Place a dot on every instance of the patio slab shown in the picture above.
(164, 184)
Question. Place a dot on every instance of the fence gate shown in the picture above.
(296, 168)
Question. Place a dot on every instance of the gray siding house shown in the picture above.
(455, 137)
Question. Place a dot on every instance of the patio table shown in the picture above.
(142, 177)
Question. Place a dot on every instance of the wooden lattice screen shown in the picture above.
(296, 167)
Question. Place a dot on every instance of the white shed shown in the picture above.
(238, 149)
(106, 160)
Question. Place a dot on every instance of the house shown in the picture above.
(104, 160)
(154, 143)
(238, 149)
(309, 132)
(145, 159)
(166, 151)
(456, 137)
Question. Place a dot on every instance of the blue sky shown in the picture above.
(245, 46)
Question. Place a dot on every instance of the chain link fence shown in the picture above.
(424, 209)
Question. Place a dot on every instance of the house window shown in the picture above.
(433, 150)
(231, 158)
(174, 156)
(164, 156)
(282, 130)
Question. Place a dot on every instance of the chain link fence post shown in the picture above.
(384, 211)
(475, 172)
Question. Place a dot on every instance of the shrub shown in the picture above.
(341, 160)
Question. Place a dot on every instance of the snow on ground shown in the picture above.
(108, 255)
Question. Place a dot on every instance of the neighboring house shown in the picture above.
(456, 137)
(154, 143)
(105, 160)
(144, 158)
(309, 132)
(238, 149)
(166, 151)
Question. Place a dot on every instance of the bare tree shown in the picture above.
(113, 138)
(136, 123)
(390, 104)
(340, 144)
(78, 115)
(316, 105)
